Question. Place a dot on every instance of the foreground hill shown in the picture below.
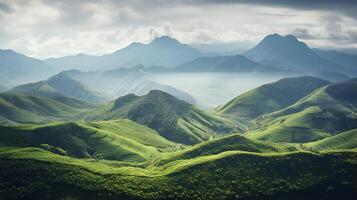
(174, 119)
(327, 111)
(113, 140)
(228, 175)
(289, 53)
(271, 97)
(16, 108)
(61, 85)
(21, 69)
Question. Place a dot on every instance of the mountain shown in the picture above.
(271, 97)
(21, 69)
(174, 119)
(79, 61)
(16, 108)
(346, 60)
(123, 81)
(237, 63)
(162, 51)
(325, 112)
(345, 140)
(332, 76)
(122, 140)
(61, 85)
(292, 54)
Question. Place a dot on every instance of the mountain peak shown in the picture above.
(164, 40)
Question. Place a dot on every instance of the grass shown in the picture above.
(227, 175)
(345, 140)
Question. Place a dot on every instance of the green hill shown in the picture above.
(345, 140)
(271, 97)
(114, 140)
(327, 111)
(228, 175)
(61, 85)
(17, 108)
(174, 119)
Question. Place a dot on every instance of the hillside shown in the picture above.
(346, 60)
(228, 175)
(288, 52)
(271, 97)
(345, 140)
(16, 108)
(122, 140)
(61, 85)
(79, 61)
(21, 69)
(237, 63)
(327, 111)
(174, 119)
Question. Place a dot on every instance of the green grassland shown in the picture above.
(227, 175)
(345, 140)
(327, 111)
(122, 140)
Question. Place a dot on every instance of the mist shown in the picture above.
(214, 89)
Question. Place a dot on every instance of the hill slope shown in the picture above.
(345, 140)
(229, 175)
(174, 119)
(326, 111)
(114, 140)
(271, 97)
(16, 108)
(61, 85)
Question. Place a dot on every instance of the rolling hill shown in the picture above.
(327, 111)
(228, 175)
(22, 69)
(61, 85)
(174, 119)
(122, 140)
(271, 97)
(17, 108)
(289, 53)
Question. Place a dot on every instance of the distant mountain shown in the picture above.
(237, 63)
(346, 60)
(271, 97)
(163, 51)
(21, 69)
(174, 119)
(292, 54)
(332, 76)
(325, 112)
(16, 108)
(79, 61)
(122, 81)
(61, 85)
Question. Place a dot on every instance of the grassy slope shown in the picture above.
(174, 119)
(16, 108)
(345, 140)
(325, 112)
(116, 140)
(231, 174)
(271, 97)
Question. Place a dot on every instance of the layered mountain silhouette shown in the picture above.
(289, 53)
(61, 85)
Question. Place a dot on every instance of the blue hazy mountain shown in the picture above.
(332, 76)
(348, 61)
(236, 63)
(19, 68)
(162, 51)
(290, 53)
(79, 61)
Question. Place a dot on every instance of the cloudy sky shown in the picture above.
(52, 28)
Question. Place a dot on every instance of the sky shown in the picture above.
(53, 28)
